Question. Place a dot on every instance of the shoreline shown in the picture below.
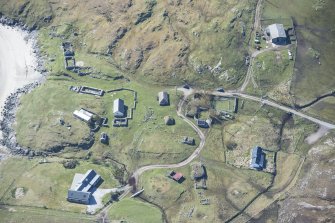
(21, 71)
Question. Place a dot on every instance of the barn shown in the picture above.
(277, 34)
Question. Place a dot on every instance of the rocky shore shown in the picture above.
(12, 101)
(8, 118)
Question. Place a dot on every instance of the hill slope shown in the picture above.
(166, 41)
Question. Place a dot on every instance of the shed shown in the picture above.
(163, 98)
(118, 108)
(83, 115)
(257, 158)
(204, 123)
(104, 138)
(188, 140)
(168, 120)
(277, 34)
(178, 176)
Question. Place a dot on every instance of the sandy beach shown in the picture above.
(17, 62)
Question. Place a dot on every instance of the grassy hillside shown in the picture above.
(164, 42)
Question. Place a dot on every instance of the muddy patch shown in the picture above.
(314, 137)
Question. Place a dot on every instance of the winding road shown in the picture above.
(196, 152)
(202, 137)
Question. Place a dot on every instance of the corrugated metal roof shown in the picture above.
(81, 185)
(78, 196)
(277, 30)
(177, 176)
(82, 116)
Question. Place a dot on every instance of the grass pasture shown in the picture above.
(134, 211)
(314, 35)
(146, 137)
(229, 190)
(246, 133)
(11, 214)
(45, 185)
(272, 73)
(324, 108)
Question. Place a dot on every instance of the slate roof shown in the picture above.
(257, 158)
(163, 98)
(82, 185)
(118, 108)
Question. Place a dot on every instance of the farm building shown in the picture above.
(168, 120)
(163, 98)
(257, 158)
(176, 176)
(104, 138)
(118, 108)
(83, 115)
(188, 140)
(277, 34)
(204, 123)
(82, 187)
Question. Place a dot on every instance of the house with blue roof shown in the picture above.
(257, 158)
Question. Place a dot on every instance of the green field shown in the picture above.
(134, 211)
(14, 214)
(272, 72)
(45, 185)
(324, 108)
(142, 141)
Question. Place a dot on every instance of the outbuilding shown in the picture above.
(277, 34)
(84, 115)
(163, 98)
(257, 158)
(188, 140)
(168, 120)
(118, 108)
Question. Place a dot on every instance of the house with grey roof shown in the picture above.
(83, 185)
(257, 158)
(163, 98)
(118, 108)
(277, 34)
(204, 123)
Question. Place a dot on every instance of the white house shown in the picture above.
(118, 108)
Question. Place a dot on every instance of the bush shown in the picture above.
(70, 164)
(231, 145)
